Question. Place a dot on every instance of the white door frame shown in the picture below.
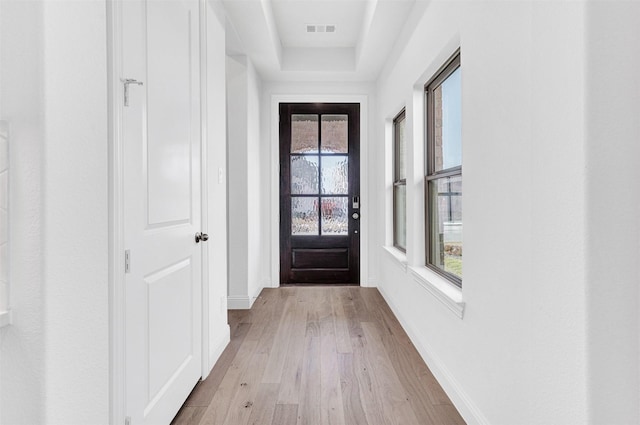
(117, 383)
(361, 99)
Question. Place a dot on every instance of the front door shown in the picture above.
(320, 189)
(162, 206)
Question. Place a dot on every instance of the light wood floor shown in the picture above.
(314, 356)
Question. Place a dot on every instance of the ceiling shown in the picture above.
(274, 34)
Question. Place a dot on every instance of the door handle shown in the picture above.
(201, 237)
(126, 82)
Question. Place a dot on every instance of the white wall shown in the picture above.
(276, 92)
(246, 277)
(22, 344)
(613, 208)
(254, 164)
(216, 130)
(54, 360)
(520, 353)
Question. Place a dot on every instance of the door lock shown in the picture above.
(355, 216)
(201, 237)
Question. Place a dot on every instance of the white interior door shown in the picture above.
(161, 139)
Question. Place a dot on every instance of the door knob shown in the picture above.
(201, 237)
(355, 215)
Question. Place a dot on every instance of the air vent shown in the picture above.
(315, 28)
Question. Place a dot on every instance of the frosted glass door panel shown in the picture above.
(335, 219)
(304, 133)
(335, 134)
(304, 216)
(335, 175)
(304, 175)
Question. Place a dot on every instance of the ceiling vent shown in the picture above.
(314, 28)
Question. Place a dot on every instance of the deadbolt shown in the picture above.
(201, 237)
(355, 216)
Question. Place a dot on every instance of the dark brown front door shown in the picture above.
(319, 193)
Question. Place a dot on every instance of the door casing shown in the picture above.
(117, 383)
(275, 101)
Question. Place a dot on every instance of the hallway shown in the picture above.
(318, 355)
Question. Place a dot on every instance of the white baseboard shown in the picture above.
(244, 302)
(467, 408)
(238, 302)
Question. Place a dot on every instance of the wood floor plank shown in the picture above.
(265, 405)
(242, 403)
(285, 414)
(353, 321)
(406, 359)
(448, 415)
(273, 371)
(309, 406)
(368, 385)
(343, 339)
(204, 391)
(331, 407)
(189, 415)
(291, 375)
(244, 400)
(395, 399)
(409, 369)
(218, 409)
(318, 355)
(351, 400)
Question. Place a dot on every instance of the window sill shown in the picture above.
(5, 318)
(440, 288)
(399, 256)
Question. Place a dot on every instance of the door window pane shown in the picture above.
(304, 175)
(304, 133)
(335, 134)
(445, 212)
(447, 123)
(304, 215)
(335, 216)
(335, 175)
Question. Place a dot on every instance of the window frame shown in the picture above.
(444, 72)
(397, 180)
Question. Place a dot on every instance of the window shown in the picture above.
(399, 184)
(443, 180)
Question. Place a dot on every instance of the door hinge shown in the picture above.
(127, 263)
(126, 82)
